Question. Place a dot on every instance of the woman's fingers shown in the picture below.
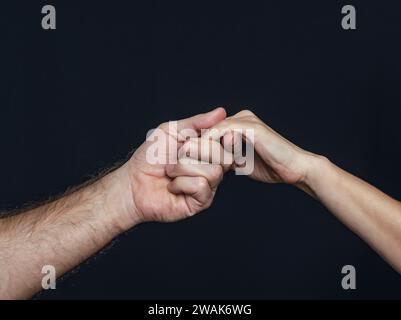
(232, 142)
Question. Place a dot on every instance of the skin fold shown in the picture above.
(67, 231)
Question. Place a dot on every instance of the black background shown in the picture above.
(77, 99)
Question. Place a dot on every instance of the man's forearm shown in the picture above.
(62, 234)
(68, 231)
(367, 211)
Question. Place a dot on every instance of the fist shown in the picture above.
(185, 183)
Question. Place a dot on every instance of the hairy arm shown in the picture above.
(62, 233)
(67, 231)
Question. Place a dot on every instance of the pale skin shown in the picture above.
(367, 211)
(69, 230)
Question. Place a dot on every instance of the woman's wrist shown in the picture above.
(316, 168)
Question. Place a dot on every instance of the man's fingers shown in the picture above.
(196, 187)
(202, 121)
(212, 172)
(205, 150)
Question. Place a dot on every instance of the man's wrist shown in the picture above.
(117, 198)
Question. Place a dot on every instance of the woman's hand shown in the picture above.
(276, 159)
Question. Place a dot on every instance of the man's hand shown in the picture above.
(170, 192)
(65, 232)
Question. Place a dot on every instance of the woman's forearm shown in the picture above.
(367, 211)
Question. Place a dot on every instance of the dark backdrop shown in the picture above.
(77, 99)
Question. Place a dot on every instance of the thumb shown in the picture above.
(203, 121)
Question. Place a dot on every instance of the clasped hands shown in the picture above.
(144, 190)
(170, 192)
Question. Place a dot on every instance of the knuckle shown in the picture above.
(202, 183)
(259, 126)
(221, 127)
(207, 204)
(191, 212)
(217, 173)
(246, 113)
(164, 126)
